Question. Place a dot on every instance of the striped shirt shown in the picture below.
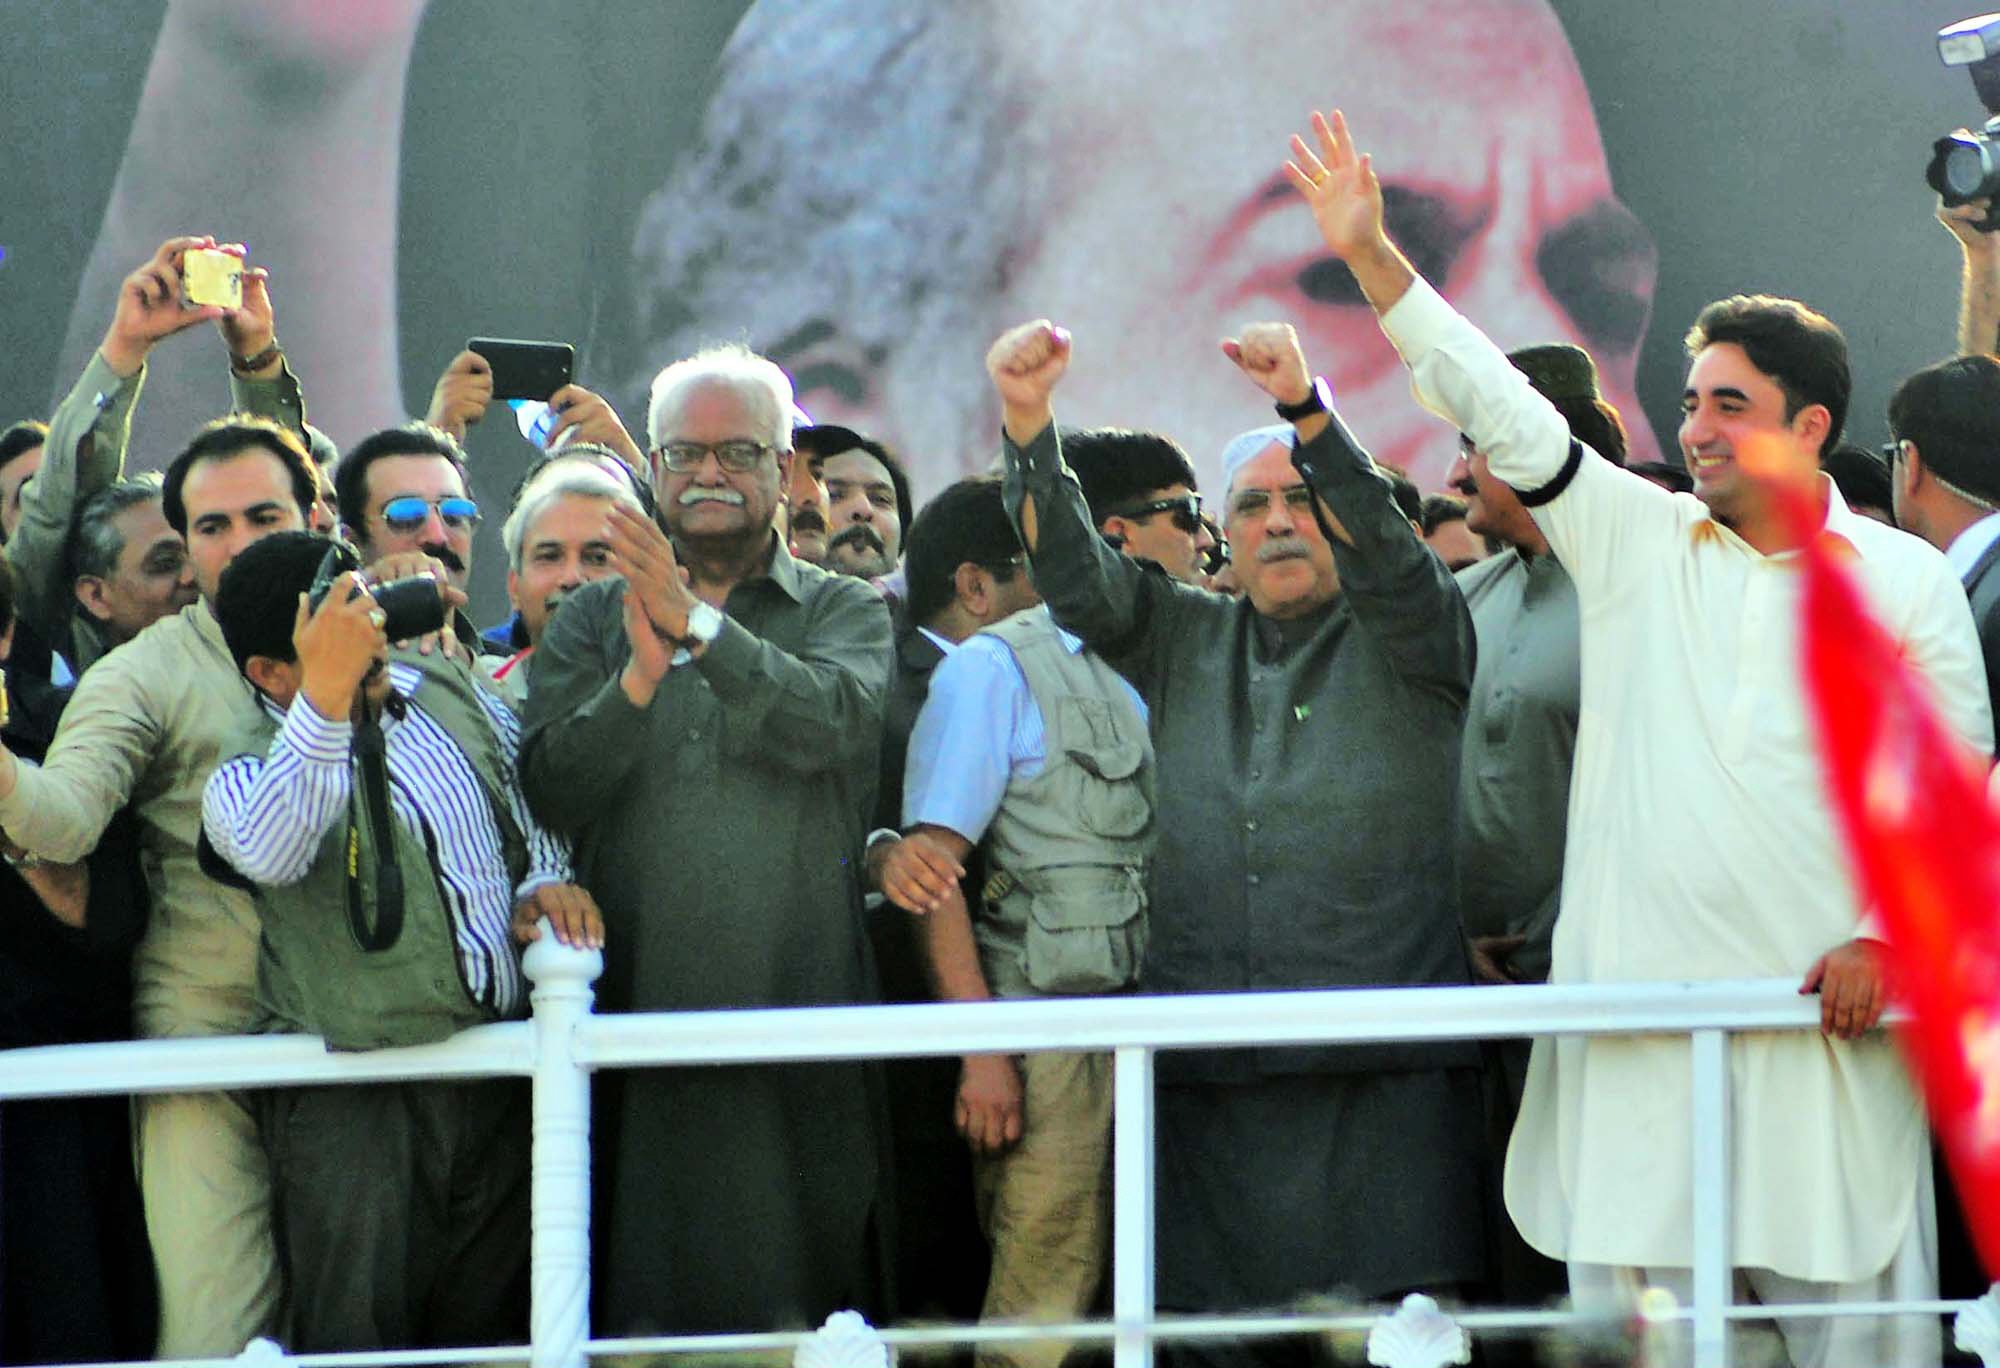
(266, 815)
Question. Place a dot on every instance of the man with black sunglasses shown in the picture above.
(1140, 487)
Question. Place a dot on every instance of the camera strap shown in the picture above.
(371, 751)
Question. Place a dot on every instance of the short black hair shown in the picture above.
(1439, 509)
(21, 438)
(350, 477)
(1409, 502)
(1952, 412)
(257, 602)
(967, 521)
(1802, 351)
(1117, 466)
(232, 436)
(1596, 424)
(822, 440)
(1861, 476)
(94, 541)
(1667, 476)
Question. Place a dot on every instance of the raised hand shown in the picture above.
(1962, 222)
(1269, 353)
(1025, 364)
(1340, 187)
(462, 392)
(585, 416)
(150, 307)
(250, 330)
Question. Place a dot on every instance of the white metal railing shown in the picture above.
(564, 1042)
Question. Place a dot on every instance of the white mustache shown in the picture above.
(697, 495)
(1281, 550)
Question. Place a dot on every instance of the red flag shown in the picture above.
(1924, 843)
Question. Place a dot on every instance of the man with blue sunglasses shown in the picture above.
(403, 490)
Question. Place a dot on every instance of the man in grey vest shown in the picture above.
(1034, 750)
(1307, 737)
(374, 807)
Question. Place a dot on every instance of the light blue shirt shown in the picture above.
(980, 729)
(1968, 546)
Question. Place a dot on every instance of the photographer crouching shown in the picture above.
(375, 809)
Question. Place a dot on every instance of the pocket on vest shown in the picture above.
(1086, 930)
(1110, 801)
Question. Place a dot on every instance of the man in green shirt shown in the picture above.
(706, 729)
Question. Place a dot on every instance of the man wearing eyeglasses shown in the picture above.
(706, 729)
(1306, 736)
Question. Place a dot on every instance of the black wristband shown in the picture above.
(1319, 399)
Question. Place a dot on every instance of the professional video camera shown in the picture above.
(1965, 165)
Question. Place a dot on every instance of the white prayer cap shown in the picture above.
(1243, 449)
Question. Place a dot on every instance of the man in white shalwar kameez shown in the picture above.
(1701, 844)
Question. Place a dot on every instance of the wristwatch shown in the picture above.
(704, 625)
(1319, 399)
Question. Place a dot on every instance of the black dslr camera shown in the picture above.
(1965, 165)
(412, 607)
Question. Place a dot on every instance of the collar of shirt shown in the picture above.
(1968, 546)
(1841, 521)
(941, 643)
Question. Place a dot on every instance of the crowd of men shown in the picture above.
(771, 734)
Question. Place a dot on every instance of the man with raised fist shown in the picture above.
(1303, 735)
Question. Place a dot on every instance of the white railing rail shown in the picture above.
(565, 1042)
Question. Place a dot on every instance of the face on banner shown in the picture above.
(1116, 168)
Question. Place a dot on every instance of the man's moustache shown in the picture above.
(1289, 549)
(858, 532)
(808, 519)
(448, 557)
(1465, 487)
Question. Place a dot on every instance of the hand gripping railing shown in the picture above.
(565, 1041)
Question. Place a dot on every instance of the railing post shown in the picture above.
(1132, 1206)
(1714, 1199)
(559, 1309)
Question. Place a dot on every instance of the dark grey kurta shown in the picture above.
(1520, 737)
(1307, 787)
(720, 829)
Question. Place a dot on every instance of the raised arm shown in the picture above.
(1979, 281)
(85, 450)
(1593, 513)
(1103, 597)
(1400, 594)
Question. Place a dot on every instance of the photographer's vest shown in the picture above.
(1064, 908)
(313, 974)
